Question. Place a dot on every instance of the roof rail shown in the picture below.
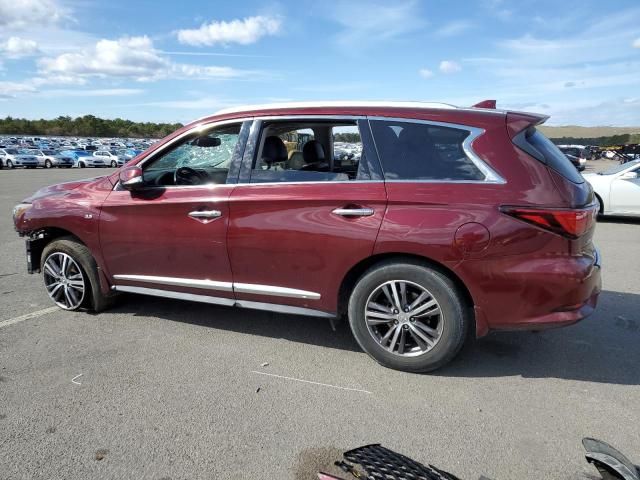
(341, 103)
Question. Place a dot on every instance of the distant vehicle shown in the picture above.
(12, 157)
(575, 155)
(88, 159)
(124, 155)
(57, 159)
(617, 189)
(107, 157)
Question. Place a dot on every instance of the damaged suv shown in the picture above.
(439, 225)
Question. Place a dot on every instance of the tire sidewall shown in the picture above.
(453, 314)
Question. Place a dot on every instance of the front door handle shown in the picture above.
(205, 215)
(353, 212)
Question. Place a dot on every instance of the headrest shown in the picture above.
(274, 150)
(313, 152)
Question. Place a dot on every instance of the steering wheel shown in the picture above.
(187, 176)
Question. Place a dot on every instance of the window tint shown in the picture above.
(307, 152)
(419, 151)
(545, 151)
(200, 160)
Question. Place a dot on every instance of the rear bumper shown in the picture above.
(538, 294)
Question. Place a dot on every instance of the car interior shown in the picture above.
(304, 151)
(200, 160)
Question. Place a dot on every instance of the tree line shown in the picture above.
(86, 126)
(621, 139)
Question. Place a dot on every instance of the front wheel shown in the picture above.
(408, 316)
(48, 164)
(114, 164)
(10, 164)
(71, 276)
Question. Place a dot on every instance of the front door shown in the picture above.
(308, 208)
(170, 235)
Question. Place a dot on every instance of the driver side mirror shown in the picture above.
(629, 175)
(131, 178)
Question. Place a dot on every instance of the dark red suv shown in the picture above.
(424, 223)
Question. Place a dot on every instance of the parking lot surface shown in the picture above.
(161, 389)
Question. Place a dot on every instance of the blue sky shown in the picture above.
(153, 60)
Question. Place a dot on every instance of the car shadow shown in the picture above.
(603, 348)
(619, 219)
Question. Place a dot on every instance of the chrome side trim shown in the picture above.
(274, 291)
(273, 307)
(229, 302)
(490, 175)
(178, 282)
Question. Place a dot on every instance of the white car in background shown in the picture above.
(108, 157)
(617, 189)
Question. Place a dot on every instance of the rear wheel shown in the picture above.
(408, 316)
(10, 164)
(48, 164)
(71, 276)
(114, 164)
(81, 165)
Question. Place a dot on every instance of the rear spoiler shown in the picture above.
(516, 121)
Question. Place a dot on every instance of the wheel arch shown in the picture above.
(352, 276)
(600, 203)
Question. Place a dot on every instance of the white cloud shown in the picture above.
(454, 28)
(365, 22)
(425, 73)
(98, 92)
(246, 31)
(16, 47)
(449, 66)
(13, 89)
(21, 13)
(636, 43)
(128, 57)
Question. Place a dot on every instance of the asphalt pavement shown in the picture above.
(162, 389)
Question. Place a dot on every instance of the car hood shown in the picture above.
(64, 188)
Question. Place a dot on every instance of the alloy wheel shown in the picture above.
(404, 318)
(64, 280)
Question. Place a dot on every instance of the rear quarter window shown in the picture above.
(421, 151)
(541, 148)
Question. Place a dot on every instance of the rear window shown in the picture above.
(541, 148)
(420, 151)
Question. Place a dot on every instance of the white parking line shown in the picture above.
(27, 316)
(309, 381)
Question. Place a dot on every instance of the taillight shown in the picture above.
(571, 223)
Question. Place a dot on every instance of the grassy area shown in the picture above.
(586, 132)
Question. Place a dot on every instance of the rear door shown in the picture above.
(302, 217)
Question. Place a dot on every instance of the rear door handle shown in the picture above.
(353, 212)
(205, 214)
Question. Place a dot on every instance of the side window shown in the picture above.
(308, 151)
(420, 151)
(199, 160)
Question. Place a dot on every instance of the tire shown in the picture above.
(81, 165)
(600, 206)
(449, 327)
(85, 266)
(10, 164)
(48, 164)
(114, 164)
